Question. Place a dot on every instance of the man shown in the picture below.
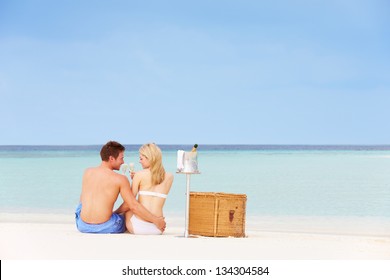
(101, 187)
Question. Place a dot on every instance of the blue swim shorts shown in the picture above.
(116, 224)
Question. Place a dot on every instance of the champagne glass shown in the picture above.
(131, 169)
(131, 166)
(124, 168)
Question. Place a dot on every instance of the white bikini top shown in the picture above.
(162, 195)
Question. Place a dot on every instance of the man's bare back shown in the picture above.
(100, 190)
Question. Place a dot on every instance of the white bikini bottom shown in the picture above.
(143, 227)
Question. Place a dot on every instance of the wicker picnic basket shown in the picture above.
(217, 214)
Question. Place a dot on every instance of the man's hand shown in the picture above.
(160, 223)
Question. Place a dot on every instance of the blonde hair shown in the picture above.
(153, 153)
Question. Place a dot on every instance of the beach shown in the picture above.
(55, 237)
(303, 203)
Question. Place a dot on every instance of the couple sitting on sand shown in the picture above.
(101, 187)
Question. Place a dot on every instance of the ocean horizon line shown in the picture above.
(205, 147)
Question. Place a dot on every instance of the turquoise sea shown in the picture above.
(278, 180)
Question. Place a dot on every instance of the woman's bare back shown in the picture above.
(153, 203)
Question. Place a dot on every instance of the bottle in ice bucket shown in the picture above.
(194, 148)
(190, 160)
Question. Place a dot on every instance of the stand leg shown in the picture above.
(187, 205)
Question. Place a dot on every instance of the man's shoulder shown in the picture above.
(120, 178)
(89, 170)
(97, 171)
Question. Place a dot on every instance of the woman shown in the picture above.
(152, 185)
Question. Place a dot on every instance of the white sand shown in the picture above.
(33, 236)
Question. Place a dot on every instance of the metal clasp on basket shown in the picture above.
(231, 215)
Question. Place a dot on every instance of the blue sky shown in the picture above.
(183, 72)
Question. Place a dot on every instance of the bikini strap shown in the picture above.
(162, 195)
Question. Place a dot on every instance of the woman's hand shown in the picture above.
(132, 173)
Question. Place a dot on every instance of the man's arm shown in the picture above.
(122, 209)
(138, 208)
